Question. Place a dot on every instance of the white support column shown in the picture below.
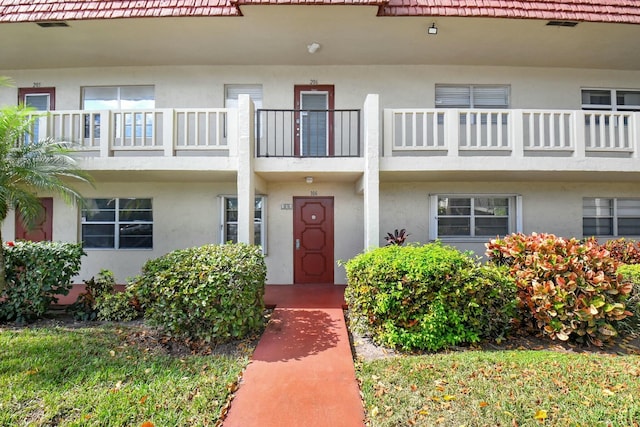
(452, 132)
(246, 187)
(635, 134)
(106, 133)
(371, 181)
(168, 132)
(516, 136)
(578, 136)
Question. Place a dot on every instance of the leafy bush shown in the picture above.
(623, 250)
(213, 292)
(36, 272)
(117, 306)
(631, 274)
(565, 288)
(85, 306)
(427, 297)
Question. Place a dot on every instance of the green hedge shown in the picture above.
(427, 297)
(213, 292)
(36, 272)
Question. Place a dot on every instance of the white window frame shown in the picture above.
(262, 223)
(615, 216)
(613, 106)
(515, 220)
(116, 224)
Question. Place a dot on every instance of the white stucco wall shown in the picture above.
(401, 86)
(547, 207)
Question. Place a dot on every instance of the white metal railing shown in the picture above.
(165, 130)
(520, 132)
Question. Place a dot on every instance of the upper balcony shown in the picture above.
(454, 140)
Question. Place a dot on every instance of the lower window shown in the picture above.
(229, 224)
(125, 223)
(610, 217)
(459, 216)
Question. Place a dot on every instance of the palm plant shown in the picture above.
(28, 168)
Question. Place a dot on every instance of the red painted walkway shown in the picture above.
(301, 373)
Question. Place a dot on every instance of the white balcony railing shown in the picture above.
(165, 131)
(510, 132)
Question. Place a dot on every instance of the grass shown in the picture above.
(502, 388)
(93, 377)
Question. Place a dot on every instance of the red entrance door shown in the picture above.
(42, 228)
(313, 239)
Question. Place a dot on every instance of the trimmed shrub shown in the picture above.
(214, 293)
(631, 274)
(427, 297)
(117, 306)
(85, 306)
(623, 250)
(566, 288)
(36, 272)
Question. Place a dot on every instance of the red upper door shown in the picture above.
(43, 226)
(314, 120)
(313, 240)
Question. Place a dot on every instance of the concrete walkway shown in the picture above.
(301, 373)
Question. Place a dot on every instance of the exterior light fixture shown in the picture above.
(433, 30)
(313, 47)
(308, 179)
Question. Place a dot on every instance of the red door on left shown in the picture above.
(42, 229)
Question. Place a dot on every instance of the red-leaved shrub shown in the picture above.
(623, 250)
(567, 288)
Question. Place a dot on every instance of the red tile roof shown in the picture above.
(68, 10)
(619, 11)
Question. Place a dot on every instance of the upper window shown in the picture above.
(611, 99)
(473, 216)
(118, 98)
(472, 96)
(230, 221)
(610, 217)
(125, 223)
(231, 93)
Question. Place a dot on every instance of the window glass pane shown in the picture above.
(491, 206)
(257, 233)
(597, 227)
(98, 235)
(629, 226)
(491, 226)
(592, 207)
(231, 232)
(99, 210)
(137, 97)
(453, 96)
(596, 97)
(38, 101)
(628, 207)
(135, 210)
(136, 236)
(454, 206)
(100, 98)
(629, 98)
(454, 226)
(490, 97)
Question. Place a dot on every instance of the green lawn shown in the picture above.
(93, 377)
(502, 388)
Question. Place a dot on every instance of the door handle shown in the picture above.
(297, 244)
